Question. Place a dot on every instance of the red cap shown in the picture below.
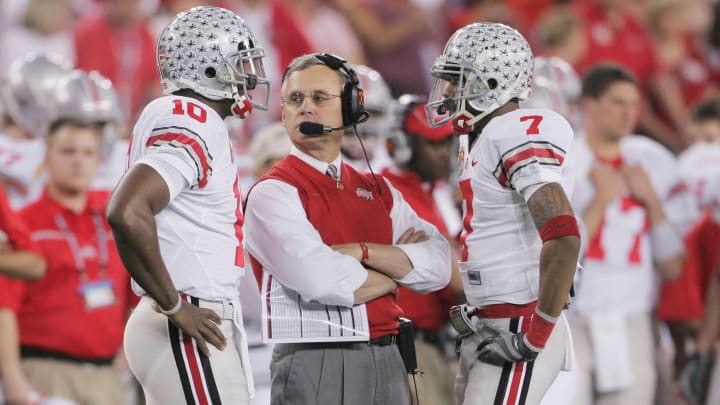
(416, 124)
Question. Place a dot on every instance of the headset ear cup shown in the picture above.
(347, 103)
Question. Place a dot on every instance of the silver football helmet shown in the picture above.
(27, 91)
(483, 66)
(557, 87)
(212, 52)
(87, 97)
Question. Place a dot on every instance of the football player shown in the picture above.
(176, 214)
(520, 237)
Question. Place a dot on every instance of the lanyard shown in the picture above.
(74, 245)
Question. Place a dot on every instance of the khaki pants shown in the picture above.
(641, 346)
(437, 383)
(86, 384)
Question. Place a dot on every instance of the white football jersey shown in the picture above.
(618, 266)
(700, 167)
(516, 152)
(21, 169)
(200, 231)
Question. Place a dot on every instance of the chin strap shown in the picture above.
(242, 106)
(461, 123)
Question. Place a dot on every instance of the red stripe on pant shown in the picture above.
(194, 365)
(518, 374)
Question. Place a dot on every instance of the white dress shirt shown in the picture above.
(279, 235)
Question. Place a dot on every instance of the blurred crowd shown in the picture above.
(670, 45)
(106, 48)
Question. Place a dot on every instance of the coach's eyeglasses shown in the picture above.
(319, 98)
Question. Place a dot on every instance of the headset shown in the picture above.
(352, 96)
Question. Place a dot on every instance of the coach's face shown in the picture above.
(313, 95)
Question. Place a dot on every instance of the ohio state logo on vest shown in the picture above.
(364, 194)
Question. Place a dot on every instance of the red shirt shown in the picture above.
(683, 299)
(628, 45)
(51, 311)
(427, 311)
(125, 56)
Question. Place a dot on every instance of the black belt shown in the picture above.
(386, 340)
(38, 353)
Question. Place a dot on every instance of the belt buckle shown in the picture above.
(228, 310)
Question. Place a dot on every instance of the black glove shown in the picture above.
(692, 378)
(503, 346)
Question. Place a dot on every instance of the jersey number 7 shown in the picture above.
(534, 128)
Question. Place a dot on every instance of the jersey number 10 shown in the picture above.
(194, 111)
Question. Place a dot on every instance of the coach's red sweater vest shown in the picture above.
(357, 212)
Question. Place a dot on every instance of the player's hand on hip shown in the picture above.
(502, 346)
(201, 324)
(412, 236)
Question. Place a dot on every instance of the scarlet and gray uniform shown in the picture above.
(200, 237)
(513, 156)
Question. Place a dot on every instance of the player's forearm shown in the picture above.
(558, 261)
(135, 235)
(23, 265)
(376, 285)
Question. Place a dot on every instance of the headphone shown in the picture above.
(399, 144)
(352, 96)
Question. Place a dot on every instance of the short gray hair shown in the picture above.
(306, 61)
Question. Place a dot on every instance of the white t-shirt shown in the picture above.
(200, 231)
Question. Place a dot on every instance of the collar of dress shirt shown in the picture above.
(317, 164)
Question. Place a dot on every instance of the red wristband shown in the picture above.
(541, 326)
(365, 253)
(559, 226)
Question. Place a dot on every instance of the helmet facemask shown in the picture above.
(250, 87)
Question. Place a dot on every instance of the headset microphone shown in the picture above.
(315, 129)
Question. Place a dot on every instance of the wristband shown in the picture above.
(559, 226)
(365, 253)
(173, 310)
(541, 326)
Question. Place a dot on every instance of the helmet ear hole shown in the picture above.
(492, 84)
(210, 72)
